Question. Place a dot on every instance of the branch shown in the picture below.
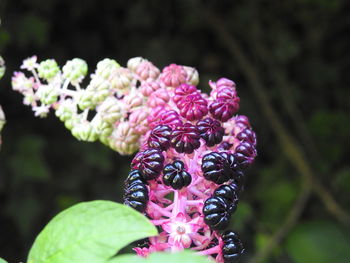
(284, 229)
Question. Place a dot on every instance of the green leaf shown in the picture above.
(183, 257)
(89, 232)
(2, 260)
(319, 242)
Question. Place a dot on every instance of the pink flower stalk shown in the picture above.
(189, 174)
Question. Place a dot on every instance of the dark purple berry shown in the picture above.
(219, 167)
(211, 131)
(242, 121)
(136, 191)
(232, 248)
(170, 118)
(149, 162)
(134, 176)
(185, 138)
(174, 175)
(230, 193)
(247, 135)
(225, 146)
(160, 137)
(216, 213)
(225, 105)
(245, 154)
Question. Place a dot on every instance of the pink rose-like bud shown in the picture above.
(183, 91)
(148, 87)
(158, 98)
(173, 75)
(146, 70)
(138, 120)
(133, 99)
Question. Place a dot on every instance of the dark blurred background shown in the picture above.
(291, 62)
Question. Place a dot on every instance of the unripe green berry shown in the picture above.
(86, 99)
(48, 69)
(47, 94)
(75, 70)
(84, 132)
(66, 109)
(105, 67)
(111, 110)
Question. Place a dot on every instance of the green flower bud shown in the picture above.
(124, 139)
(66, 109)
(86, 99)
(111, 110)
(75, 70)
(133, 63)
(84, 131)
(105, 67)
(47, 94)
(104, 129)
(121, 79)
(48, 69)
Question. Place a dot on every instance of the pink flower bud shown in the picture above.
(158, 98)
(148, 87)
(147, 71)
(173, 75)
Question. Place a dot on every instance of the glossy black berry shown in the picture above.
(185, 138)
(149, 162)
(136, 192)
(228, 192)
(211, 131)
(160, 137)
(219, 167)
(175, 175)
(142, 243)
(216, 212)
(134, 175)
(232, 248)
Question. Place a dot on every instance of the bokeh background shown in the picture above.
(291, 62)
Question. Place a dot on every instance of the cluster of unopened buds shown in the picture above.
(188, 175)
(113, 108)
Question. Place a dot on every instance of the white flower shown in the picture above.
(41, 111)
(30, 63)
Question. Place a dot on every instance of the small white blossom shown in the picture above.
(30, 63)
(41, 111)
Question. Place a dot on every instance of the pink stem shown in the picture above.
(210, 251)
(161, 210)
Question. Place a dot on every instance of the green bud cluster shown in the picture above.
(75, 70)
(48, 69)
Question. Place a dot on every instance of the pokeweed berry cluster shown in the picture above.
(189, 173)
